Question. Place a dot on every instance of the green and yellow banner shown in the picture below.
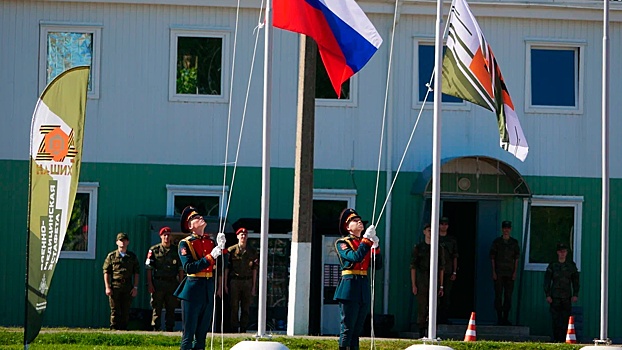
(56, 138)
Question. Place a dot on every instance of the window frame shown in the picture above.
(175, 33)
(94, 29)
(579, 70)
(342, 102)
(92, 188)
(328, 194)
(196, 190)
(555, 201)
(429, 105)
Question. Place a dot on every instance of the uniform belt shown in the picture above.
(354, 272)
(200, 274)
(119, 280)
(241, 278)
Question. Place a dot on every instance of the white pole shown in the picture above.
(436, 170)
(265, 173)
(605, 180)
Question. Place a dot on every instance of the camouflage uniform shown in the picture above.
(242, 265)
(449, 246)
(420, 262)
(561, 283)
(122, 269)
(164, 265)
(505, 253)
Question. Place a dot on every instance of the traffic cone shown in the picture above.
(470, 334)
(571, 336)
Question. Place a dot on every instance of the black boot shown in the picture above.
(505, 321)
(344, 348)
(499, 318)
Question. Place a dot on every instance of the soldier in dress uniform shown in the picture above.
(449, 245)
(121, 271)
(242, 273)
(198, 254)
(420, 277)
(504, 255)
(164, 272)
(352, 293)
(561, 286)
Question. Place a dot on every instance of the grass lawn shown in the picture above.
(12, 338)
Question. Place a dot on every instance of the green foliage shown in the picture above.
(187, 80)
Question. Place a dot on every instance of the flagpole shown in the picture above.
(265, 173)
(604, 290)
(436, 171)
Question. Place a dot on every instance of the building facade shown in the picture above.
(169, 80)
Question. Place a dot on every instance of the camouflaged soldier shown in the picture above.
(561, 286)
(164, 271)
(241, 271)
(121, 280)
(420, 278)
(450, 271)
(504, 255)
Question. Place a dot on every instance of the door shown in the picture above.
(463, 226)
(487, 231)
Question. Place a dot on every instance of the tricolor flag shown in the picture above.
(470, 71)
(55, 156)
(345, 37)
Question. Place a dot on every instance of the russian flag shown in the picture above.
(346, 38)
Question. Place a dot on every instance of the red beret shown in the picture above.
(241, 230)
(164, 230)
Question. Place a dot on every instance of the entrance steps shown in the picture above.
(484, 332)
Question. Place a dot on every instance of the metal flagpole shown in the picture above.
(604, 273)
(265, 173)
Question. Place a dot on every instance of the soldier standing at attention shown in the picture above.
(241, 270)
(450, 272)
(353, 293)
(121, 281)
(164, 272)
(420, 278)
(198, 254)
(561, 286)
(504, 255)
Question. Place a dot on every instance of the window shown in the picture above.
(199, 66)
(66, 46)
(325, 93)
(553, 220)
(209, 200)
(328, 204)
(424, 66)
(554, 78)
(80, 238)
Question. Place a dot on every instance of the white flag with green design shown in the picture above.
(470, 71)
(55, 156)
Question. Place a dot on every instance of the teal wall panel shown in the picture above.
(129, 192)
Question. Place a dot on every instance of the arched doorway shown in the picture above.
(476, 193)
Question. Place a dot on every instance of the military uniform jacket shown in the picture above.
(450, 248)
(122, 269)
(354, 257)
(561, 280)
(505, 253)
(242, 263)
(420, 261)
(164, 262)
(197, 263)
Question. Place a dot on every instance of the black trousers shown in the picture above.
(504, 286)
(560, 313)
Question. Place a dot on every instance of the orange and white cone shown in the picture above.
(571, 336)
(470, 334)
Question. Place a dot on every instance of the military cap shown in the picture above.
(427, 225)
(187, 214)
(562, 246)
(344, 219)
(164, 230)
(241, 230)
(506, 224)
(122, 235)
(444, 220)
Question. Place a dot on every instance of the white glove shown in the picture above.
(370, 232)
(221, 240)
(376, 240)
(216, 252)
